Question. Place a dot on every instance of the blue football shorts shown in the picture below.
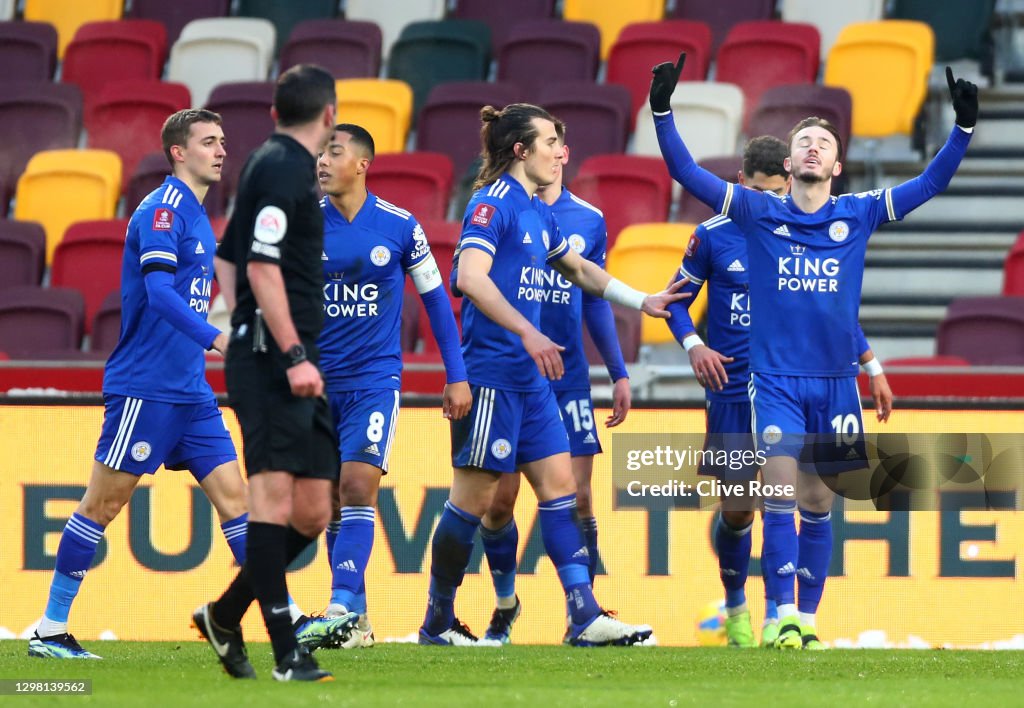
(577, 409)
(728, 442)
(366, 421)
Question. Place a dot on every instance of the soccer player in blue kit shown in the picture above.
(370, 245)
(563, 312)
(717, 255)
(159, 408)
(508, 237)
(806, 253)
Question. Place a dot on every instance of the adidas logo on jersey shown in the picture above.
(785, 570)
(348, 565)
(323, 255)
(372, 449)
(199, 248)
(527, 239)
(590, 438)
(736, 267)
(781, 231)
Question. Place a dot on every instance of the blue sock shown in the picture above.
(567, 549)
(331, 534)
(351, 553)
(815, 555)
(771, 609)
(733, 560)
(780, 550)
(75, 554)
(234, 532)
(501, 546)
(450, 550)
(359, 601)
(589, 526)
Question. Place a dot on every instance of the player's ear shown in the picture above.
(273, 114)
(178, 153)
(519, 150)
(837, 169)
(787, 165)
(740, 179)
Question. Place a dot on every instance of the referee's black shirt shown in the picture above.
(277, 219)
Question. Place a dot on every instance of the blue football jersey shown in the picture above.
(153, 360)
(807, 271)
(522, 237)
(365, 262)
(717, 256)
(561, 316)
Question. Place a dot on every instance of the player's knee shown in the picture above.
(102, 511)
(358, 492)
(738, 519)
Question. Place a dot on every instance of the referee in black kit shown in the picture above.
(275, 241)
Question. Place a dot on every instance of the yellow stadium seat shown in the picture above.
(647, 257)
(68, 15)
(885, 66)
(60, 187)
(382, 106)
(611, 16)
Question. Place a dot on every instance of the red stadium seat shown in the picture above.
(443, 237)
(627, 326)
(1013, 269)
(420, 182)
(629, 189)
(928, 361)
(721, 16)
(92, 266)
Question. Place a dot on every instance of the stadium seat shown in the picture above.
(28, 51)
(900, 50)
(443, 237)
(927, 361)
(409, 329)
(695, 211)
(986, 331)
(392, 15)
(611, 16)
(102, 52)
(285, 15)
(68, 15)
(128, 116)
(830, 16)
(97, 230)
(1013, 268)
(963, 30)
(175, 15)
(349, 49)
(7, 8)
(382, 106)
(452, 114)
(88, 182)
(647, 256)
(41, 323)
(105, 328)
(90, 266)
(22, 253)
(721, 16)
(500, 17)
(708, 115)
(782, 107)
(438, 51)
(627, 327)
(596, 118)
(420, 182)
(222, 50)
(537, 52)
(34, 116)
(643, 45)
(244, 108)
(150, 172)
(628, 189)
(783, 52)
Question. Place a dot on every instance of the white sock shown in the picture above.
(787, 612)
(335, 610)
(807, 618)
(738, 610)
(506, 603)
(48, 627)
(295, 612)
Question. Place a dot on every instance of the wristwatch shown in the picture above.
(296, 355)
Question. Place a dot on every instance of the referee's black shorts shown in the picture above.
(280, 432)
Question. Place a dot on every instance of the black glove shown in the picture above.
(666, 76)
(964, 95)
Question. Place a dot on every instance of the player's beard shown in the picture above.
(807, 177)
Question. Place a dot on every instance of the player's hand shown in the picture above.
(709, 367)
(545, 353)
(654, 305)
(457, 400)
(666, 76)
(882, 394)
(220, 344)
(964, 95)
(305, 380)
(622, 400)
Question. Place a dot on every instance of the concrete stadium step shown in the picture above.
(954, 242)
(887, 347)
(936, 257)
(931, 282)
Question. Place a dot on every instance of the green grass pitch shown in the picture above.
(184, 674)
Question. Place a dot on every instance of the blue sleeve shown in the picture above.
(442, 324)
(166, 302)
(680, 322)
(935, 178)
(600, 320)
(862, 341)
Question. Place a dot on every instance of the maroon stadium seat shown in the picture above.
(694, 211)
(106, 325)
(28, 51)
(722, 15)
(782, 107)
(420, 182)
(627, 326)
(443, 237)
(349, 49)
(410, 326)
(41, 323)
(244, 108)
(286, 15)
(22, 253)
(983, 330)
(501, 17)
(175, 15)
(538, 52)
